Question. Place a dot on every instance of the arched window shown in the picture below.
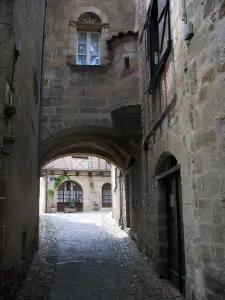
(89, 18)
(88, 42)
(69, 190)
(88, 34)
(107, 195)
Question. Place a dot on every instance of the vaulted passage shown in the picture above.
(113, 144)
(110, 144)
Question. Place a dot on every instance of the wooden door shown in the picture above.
(107, 195)
(181, 237)
(176, 262)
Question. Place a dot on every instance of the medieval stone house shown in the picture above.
(84, 178)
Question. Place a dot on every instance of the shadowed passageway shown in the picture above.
(86, 256)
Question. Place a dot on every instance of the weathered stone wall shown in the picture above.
(83, 95)
(91, 186)
(21, 24)
(193, 131)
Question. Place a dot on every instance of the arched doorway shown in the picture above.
(107, 195)
(67, 191)
(172, 261)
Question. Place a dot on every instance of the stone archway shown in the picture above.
(103, 142)
(100, 141)
(171, 260)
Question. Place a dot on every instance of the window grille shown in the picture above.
(88, 48)
(106, 194)
(158, 39)
(68, 191)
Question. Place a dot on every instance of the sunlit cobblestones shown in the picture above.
(87, 256)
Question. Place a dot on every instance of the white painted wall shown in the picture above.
(42, 195)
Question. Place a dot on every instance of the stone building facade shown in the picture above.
(86, 177)
(182, 96)
(21, 35)
(87, 104)
(91, 99)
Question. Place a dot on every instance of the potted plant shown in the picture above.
(71, 208)
(96, 206)
(51, 194)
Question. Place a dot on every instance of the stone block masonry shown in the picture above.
(192, 131)
(21, 24)
(85, 93)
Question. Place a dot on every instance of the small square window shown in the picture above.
(88, 48)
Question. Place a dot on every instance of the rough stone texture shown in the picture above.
(89, 257)
(193, 132)
(82, 98)
(21, 23)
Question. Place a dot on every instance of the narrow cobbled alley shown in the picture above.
(87, 256)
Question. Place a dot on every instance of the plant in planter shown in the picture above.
(51, 194)
(72, 207)
(96, 206)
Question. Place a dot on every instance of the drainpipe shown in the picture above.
(42, 79)
(41, 98)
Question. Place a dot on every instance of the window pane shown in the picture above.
(94, 49)
(95, 38)
(161, 31)
(161, 6)
(82, 60)
(82, 38)
(82, 49)
(164, 36)
(95, 60)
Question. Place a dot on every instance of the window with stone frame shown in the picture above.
(88, 48)
(88, 39)
(158, 39)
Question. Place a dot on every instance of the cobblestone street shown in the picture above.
(87, 256)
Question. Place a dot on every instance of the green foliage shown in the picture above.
(51, 193)
(91, 183)
(60, 179)
(73, 202)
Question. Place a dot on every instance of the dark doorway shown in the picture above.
(107, 195)
(169, 183)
